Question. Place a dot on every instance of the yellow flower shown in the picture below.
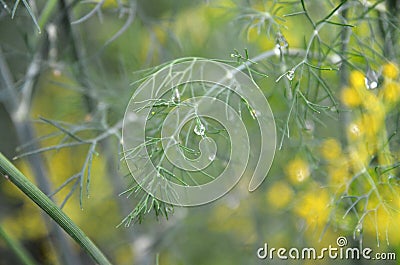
(391, 92)
(358, 158)
(338, 175)
(297, 170)
(370, 102)
(279, 194)
(331, 149)
(372, 124)
(357, 79)
(350, 97)
(355, 130)
(313, 206)
(390, 70)
(382, 221)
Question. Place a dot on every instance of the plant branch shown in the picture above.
(18, 107)
(344, 71)
(10, 172)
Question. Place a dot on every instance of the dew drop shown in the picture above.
(211, 157)
(290, 75)
(358, 232)
(354, 129)
(199, 129)
(131, 116)
(372, 85)
(335, 59)
(309, 125)
(176, 96)
(277, 50)
(281, 41)
(371, 79)
(229, 75)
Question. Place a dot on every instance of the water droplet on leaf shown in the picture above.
(357, 235)
(199, 129)
(176, 97)
(229, 75)
(371, 79)
(281, 40)
(290, 75)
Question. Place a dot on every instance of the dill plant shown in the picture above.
(340, 71)
(361, 178)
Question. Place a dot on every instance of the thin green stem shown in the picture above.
(10, 172)
(19, 251)
(47, 11)
(345, 35)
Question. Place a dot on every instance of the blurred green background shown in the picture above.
(335, 172)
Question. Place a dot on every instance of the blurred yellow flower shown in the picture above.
(391, 92)
(26, 223)
(193, 18)
(390, 70)
(383, 221)
(313, 206)
(372, 124)
(357, 79)
(372, 104)
(279, 194)
(350, 97)
(338, 175)
(331, 149)
(355, 130)
(297, 170)
(358, 158)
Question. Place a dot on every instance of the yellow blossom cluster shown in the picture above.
(312, 204)
(350, 167)
(354, 170)
(298, 192)
(297, 170)
(280, 194)
(366, 132)
(366, 141)
(356, 95)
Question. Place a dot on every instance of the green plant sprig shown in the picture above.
(11, 173)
